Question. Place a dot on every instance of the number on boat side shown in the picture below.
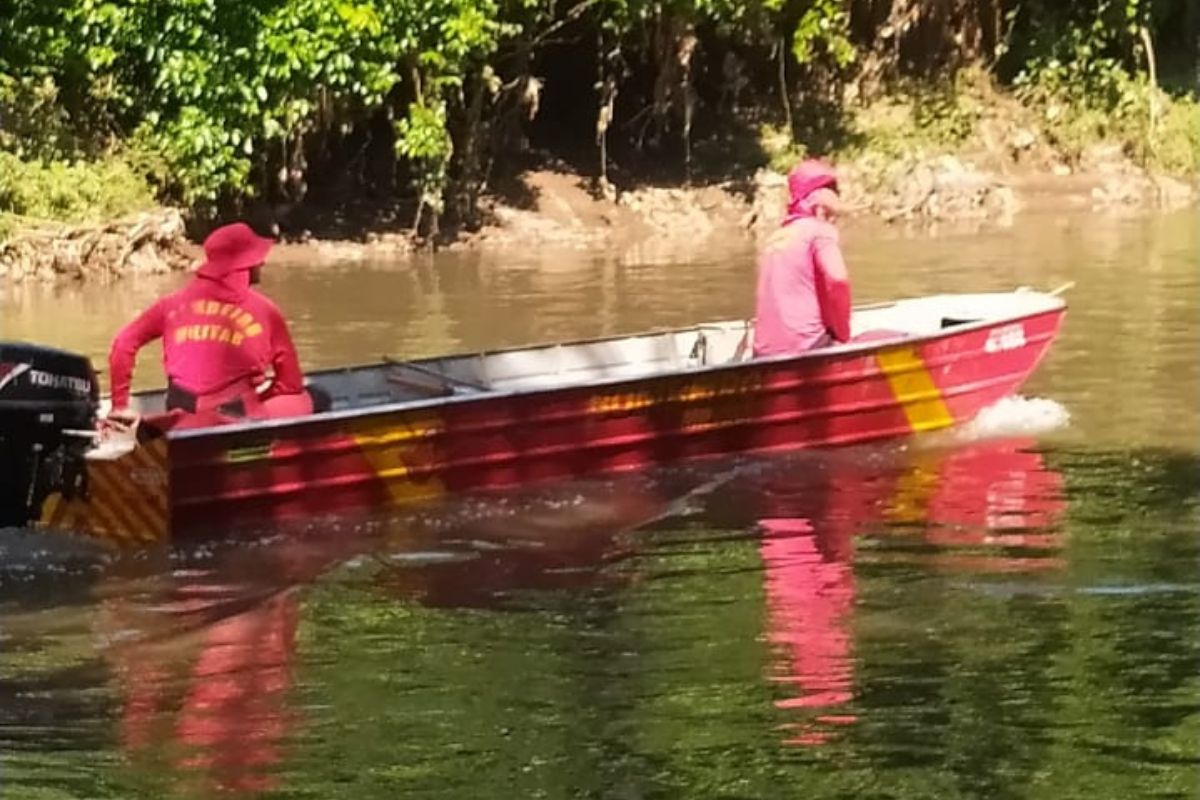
(1009, 337)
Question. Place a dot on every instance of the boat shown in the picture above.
(403, 431)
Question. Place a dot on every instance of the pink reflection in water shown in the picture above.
(216, 697)
(994, 507)
(989, 499)
(809, 523)
(205, 656)
(810, 598)
(234, 713)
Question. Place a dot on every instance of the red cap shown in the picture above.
(233, 248)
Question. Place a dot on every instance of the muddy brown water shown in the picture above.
(1012, 614)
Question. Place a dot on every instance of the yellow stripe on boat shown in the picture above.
(399, 453)
(914, 388)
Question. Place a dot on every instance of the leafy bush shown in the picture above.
(782, 153)
(1084, 105)
(1176, 143)
(73, 192)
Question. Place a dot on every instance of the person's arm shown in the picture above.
(123, 354)
(285, 364)
(833, 288)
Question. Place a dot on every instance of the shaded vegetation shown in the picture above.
(217, 103)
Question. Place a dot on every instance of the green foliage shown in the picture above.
(235, 85)
(33, 120)
(946, 114)
(422, 138)
(824, 23)
(75, 192)
(202, 156)
(1086, 93)
(227, 99)
(919, 119)
(1076, 69)
(227, 91)
(1177, 148)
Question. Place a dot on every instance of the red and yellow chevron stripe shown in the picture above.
(127, 498)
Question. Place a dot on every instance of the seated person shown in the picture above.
(803, 298)
(221, 339)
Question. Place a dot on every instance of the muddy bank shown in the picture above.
(921, 194)
(562, 210)
(150, 243)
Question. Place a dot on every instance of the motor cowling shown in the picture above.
(48, 404)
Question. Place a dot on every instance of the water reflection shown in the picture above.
(201, 653)
(203, 649)
(838, 603)
(542, 542)
(986, 508)
(991, 507)
(218, 702)
(809, 518)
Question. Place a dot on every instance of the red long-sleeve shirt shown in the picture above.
(215, 334)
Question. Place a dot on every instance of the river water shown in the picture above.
(1007, 612)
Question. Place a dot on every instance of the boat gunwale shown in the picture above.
(1057, 306)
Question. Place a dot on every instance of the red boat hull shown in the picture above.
(395, 455)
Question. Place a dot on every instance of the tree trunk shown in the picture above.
(606, 68)
(785, 92)
(467, 188)
(685, 52)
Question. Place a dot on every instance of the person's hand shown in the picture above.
(120, 420)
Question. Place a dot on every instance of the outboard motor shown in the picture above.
(48, 404)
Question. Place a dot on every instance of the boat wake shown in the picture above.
(1016, 416)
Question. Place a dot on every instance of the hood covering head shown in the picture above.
(810, 183)
(230, 252)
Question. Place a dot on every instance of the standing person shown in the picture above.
(222, 340)
(803, 299)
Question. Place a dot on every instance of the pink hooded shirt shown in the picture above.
(803, 298)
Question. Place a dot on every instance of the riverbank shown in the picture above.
(657, 222)
(982, 159)
(561, 209)
(147, 243)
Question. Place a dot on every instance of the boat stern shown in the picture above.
(125, 496)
